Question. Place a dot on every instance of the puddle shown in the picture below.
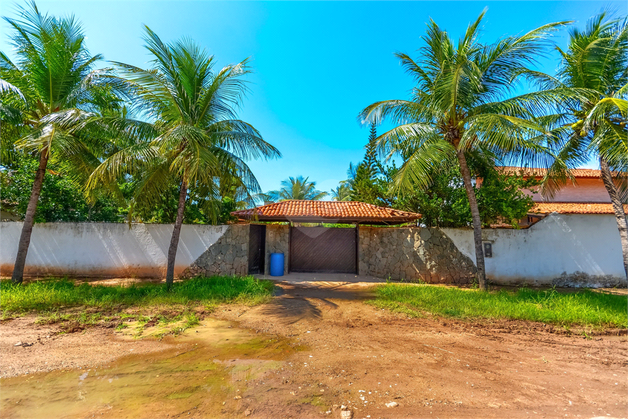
(209, 365)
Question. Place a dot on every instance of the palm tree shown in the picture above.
(297, 188)
(596, 126)
(193, 136)
(460, 106)
(342, 192)
(45, 94)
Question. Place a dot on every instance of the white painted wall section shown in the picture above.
(584, 246)
(104, 249)
(560, 244)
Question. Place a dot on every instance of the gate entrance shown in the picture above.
(257, 248)
(323, 249)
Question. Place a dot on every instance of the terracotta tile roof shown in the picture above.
(574, 208)
(329, 211)
(531, 171)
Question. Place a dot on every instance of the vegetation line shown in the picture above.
(582, 308)
(55, 294)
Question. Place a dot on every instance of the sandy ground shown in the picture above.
(365, 358)
(27, 347)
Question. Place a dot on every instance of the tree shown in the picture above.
(595, 126)
(297, 188)
(367, 187)
(204, 205)
(342, 192)
(460, 106)
(366, 182)
(61, 197)
(371, 162)
(501, 198)
(45, 94)
(193, 136)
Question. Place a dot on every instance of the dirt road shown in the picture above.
(367, 359)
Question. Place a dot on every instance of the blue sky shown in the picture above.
(316, 64)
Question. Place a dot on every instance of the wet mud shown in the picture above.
(205, 375)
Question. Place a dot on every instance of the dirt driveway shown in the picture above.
(368, 359)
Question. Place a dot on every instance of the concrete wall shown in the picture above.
(104, 249)
(584, 190)
(412, 254)
(561, 249)
(565, 250)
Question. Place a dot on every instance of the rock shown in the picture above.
(346, 414)
(247, 412)
(392, 404)
(237, 397)
(18, 344)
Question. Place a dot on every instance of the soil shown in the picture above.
(354, 355)
(44, 348)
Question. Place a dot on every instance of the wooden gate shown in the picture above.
(257, 247)
(322, 249)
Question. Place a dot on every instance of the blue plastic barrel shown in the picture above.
(276, 264)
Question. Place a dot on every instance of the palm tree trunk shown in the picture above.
(29, 219)
(475, 215)
(620, 215)
(174, 241)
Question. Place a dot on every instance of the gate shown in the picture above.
(323, 249)
(257, 247)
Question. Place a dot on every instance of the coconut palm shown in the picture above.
(45, 93)
(192, 136)
(342, 192)
(297, 188)
(461, 106)
(595, 127)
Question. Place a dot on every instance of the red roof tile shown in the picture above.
(574, 208)
(329, 211)
(531, 171)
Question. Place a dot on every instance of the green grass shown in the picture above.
(56, 294)
(581, 308)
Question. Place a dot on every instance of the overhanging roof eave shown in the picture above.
(349, 220)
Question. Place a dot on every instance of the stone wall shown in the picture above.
(277, 241)
(228, 256)
(411, 254)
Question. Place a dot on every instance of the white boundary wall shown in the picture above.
(104, 249)
(579, 249)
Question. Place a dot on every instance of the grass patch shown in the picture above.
(581, 308)
(130, 309)
(55, 294)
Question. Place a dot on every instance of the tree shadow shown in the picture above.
(295, 303)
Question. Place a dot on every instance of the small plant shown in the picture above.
(191, 320)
